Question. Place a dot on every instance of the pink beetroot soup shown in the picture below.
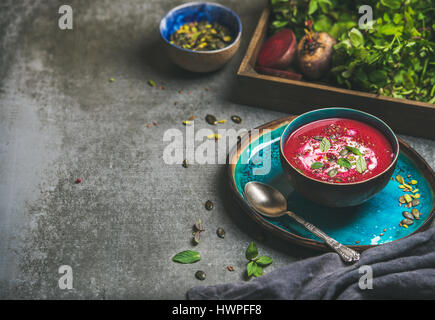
(338, 150)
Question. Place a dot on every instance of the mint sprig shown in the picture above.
(255, 265)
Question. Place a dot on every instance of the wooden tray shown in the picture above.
(292, 96)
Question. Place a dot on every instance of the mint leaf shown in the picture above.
(344, 163)
(316, 165)
(325, 145)
(264, 261)
(251, 251)
(254, 269)
(186, 257)
(354, 150)
(356, 37)
(361, 165)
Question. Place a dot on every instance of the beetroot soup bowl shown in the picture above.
(338, 157)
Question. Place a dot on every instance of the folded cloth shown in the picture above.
(403, 269)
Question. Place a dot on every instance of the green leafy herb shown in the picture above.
(186, 257)
(325, 145)
(251, 251)
(344, 163)
(393, 55)
(264, 260)
(255, 265)
(354, 150)
(254, 269)
(316, 165)
(361, 165)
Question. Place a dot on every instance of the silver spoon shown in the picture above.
(269, 202)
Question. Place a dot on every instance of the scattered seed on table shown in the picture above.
(155, 123)
(211, 119)
(230, 268)
(148, 125)
(200, 275)
(209, 205)
(112, 80)
(236, 119)
(175, 103)
(79, 180)
(206, 89)
(180, 91)
(192, 118)
(162, 88)
(220, 232)
(185, 163)
(151, 83)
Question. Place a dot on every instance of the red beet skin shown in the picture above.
(278, 51)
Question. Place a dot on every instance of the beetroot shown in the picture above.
(315, 53)
(279, 73)
(278, 51)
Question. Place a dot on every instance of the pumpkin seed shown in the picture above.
(416, 213)
(196, 236)
(402, 199)
(415, 202)
(344, 152)
(407, 222)
(211, 119)
(220, 232)
(236, 119)
(200, 275)
(407, 198)
(417, 195)
(209, 205)
(408, 186)
(400, 179)
(332, 173)
(413, 182)
(185, 163)
(407, 215)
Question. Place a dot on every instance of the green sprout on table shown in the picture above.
(255, 265)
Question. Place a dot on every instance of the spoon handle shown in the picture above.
(346, 253)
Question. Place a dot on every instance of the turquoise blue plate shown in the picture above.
(373, 223)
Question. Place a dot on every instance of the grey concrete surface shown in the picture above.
(60, 118)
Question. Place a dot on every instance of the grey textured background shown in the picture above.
(60, 118)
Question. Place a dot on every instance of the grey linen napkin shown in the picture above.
(403, 269)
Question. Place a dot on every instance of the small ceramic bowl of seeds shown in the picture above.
(201, 36)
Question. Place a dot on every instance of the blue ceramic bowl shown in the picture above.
(338, 194)
(200, 61)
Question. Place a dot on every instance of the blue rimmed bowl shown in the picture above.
(200, 61)
(338, 194)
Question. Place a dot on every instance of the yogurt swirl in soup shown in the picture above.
(338, 150)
